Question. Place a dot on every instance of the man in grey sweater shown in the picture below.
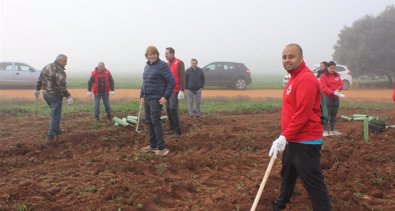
(194, 82)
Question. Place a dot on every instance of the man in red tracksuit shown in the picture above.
(177, 69)
(301, 133)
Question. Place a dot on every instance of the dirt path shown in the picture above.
(380, 95)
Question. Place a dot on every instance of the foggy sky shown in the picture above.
(117, 32)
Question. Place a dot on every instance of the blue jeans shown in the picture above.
(55, 103)
(191, 96)
(152, 118)
(172, 112)
(106, 102)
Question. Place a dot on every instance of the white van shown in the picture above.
(344, 72)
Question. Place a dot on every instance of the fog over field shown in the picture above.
(117, 32)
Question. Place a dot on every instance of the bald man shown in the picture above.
(53, 82)
(101, 84)
(301, 133)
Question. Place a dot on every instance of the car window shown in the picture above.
(210, 67)
(220, 67)
(229, 67)
(340, 69)
(6, 66)
(24, 68)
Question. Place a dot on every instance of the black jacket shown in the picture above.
(194, 79)
(157, 81)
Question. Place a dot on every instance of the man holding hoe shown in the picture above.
(301, 133)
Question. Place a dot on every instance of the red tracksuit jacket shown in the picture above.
(301, 109)
(330, 83)
(393, 96)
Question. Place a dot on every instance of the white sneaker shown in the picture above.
(325, 133)
(149, 149)
(336, 133)
(162, 152)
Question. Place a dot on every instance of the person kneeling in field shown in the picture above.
(101, 84)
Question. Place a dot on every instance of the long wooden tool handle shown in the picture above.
(138, 118)
(262, 186)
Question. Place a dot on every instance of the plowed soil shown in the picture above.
(217, 164)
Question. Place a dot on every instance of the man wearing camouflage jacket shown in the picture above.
(53, 82)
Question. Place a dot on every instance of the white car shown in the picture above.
(344, 72)
(16, 74)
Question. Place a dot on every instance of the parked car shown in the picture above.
(16, 74)
(227, 74)
(344, 72)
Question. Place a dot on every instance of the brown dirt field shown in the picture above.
(217, 165)
(382, 95)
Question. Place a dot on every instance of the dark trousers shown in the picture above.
(172, 112)
(55, 103)
(303, 160)
(333, 106)
(106, 102)
(152, 118)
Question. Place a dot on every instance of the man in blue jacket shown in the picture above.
(158, 84)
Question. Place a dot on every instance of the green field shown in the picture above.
(212, 105)
(259, 81)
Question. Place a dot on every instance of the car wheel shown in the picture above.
(240, 83)
(346, 85)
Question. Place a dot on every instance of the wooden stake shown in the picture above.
(138, 118)
(263, 183)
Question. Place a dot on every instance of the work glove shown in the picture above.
(278, 146)
(112, 93)
(180, 95)
(36, 93)
(337, 93)
(69, 100)
(89, 94)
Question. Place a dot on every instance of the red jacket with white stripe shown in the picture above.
(393, 96)
(330, 83)
(301, 109)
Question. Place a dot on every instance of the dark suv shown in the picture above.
(228, 74)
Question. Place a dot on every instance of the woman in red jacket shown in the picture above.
(393, 95)
(331, 85)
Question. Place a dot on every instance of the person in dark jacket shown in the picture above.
(177, 69)
(194, 83)
(101, 84)
(53, 81)
(331, 86)
(158, 84)
(323, 68)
